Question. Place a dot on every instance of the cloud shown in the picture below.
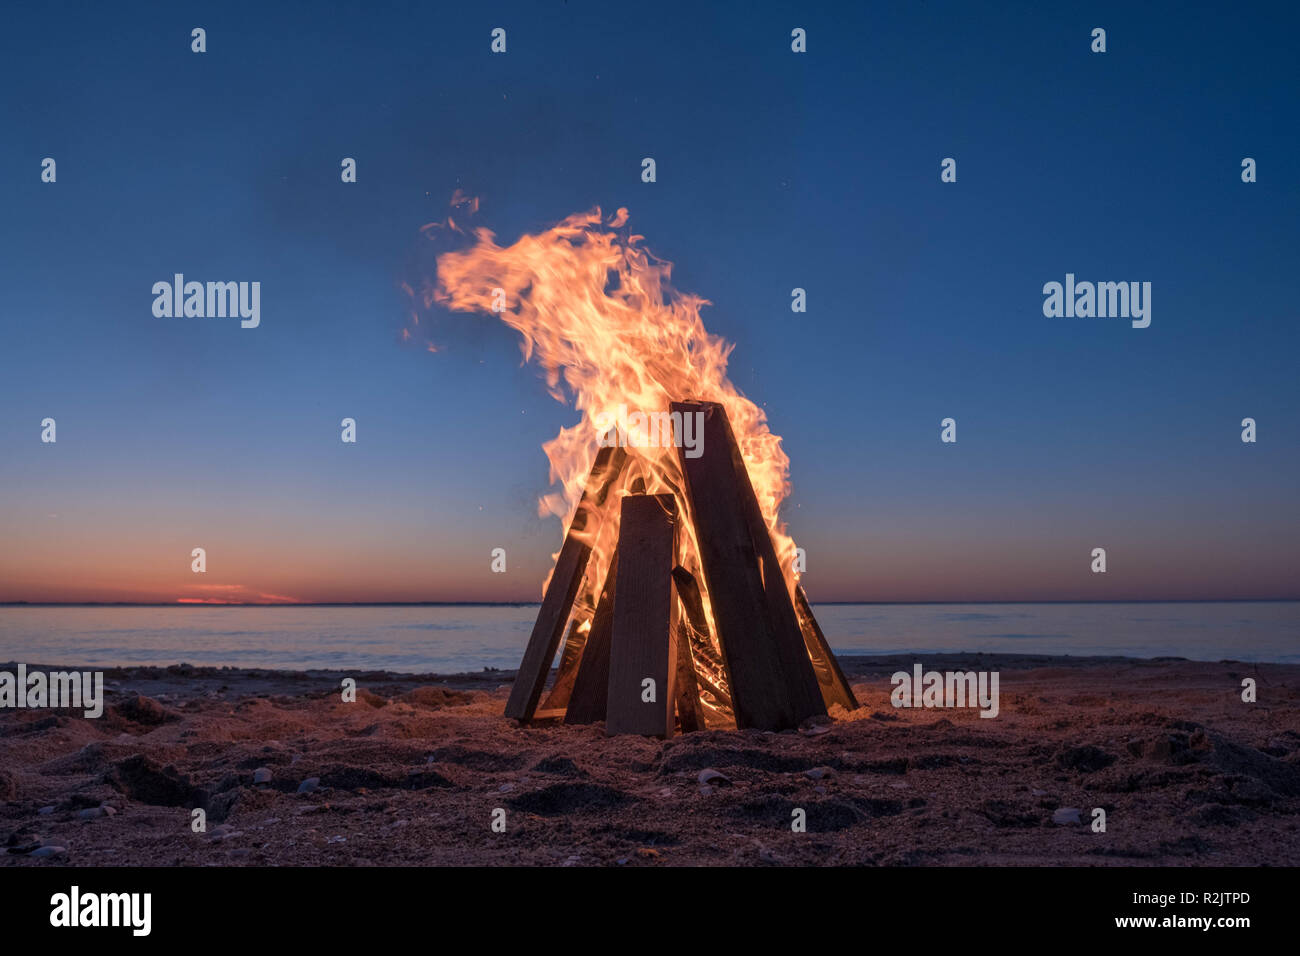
(234, 594)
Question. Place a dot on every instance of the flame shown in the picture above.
(599, 314)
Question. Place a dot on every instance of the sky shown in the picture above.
(775, 170)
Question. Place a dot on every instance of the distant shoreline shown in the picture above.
(857, 664)
(199, 604)
(211, 604)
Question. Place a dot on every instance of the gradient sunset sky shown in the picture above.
(775, 170)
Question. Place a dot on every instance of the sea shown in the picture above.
(449, 639)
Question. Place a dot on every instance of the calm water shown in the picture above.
(458, 639)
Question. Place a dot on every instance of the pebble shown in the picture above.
(261, 775)
(91, 813)
(48, 851)
(142, 709)
(1066, 816)
(308, 785)
(819, 773)
(708, 776)
(45, 811)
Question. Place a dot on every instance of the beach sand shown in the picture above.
(413, 771)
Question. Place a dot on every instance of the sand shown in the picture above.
(415, 771)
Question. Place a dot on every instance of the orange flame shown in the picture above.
(599, 314)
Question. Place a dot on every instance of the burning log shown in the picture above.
(688, 693)
(591, 685)
(689, 592)
(557, 603)
(834, 686)
(547, 629)
(710, 670)
(574, 643)
(773, 686)
(643, 654)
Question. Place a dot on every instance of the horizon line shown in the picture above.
(211, 604)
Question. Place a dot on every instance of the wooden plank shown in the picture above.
(591, 684)
(834, 686)
(643, 643)
(773, 686)
(547, 629)
(688, 590)
(565, 581)
(567, 672)
(604, 473)
(688, 695)
(779, 604)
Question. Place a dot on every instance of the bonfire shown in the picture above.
(675, 591)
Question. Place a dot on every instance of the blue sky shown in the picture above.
(775, 170)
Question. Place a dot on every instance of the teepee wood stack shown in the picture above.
(648, 660)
